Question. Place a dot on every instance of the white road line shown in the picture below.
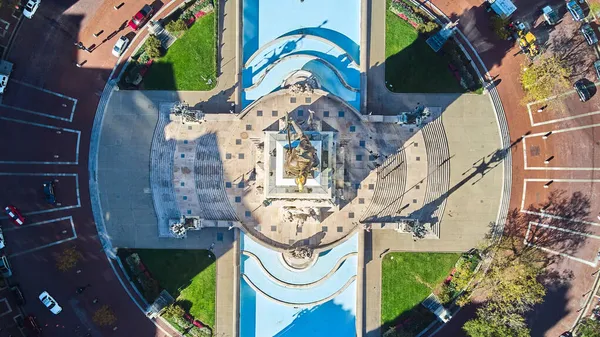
(14, 228)
(73, 237)
(564, 130)
(552, 216)
(552, 121)
(77, 132)
(48, 175)
(39, 124)
(45, 90)
(35, 112)
(551, 251)
(8, 308)
(564, 230)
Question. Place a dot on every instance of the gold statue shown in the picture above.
(302, 159)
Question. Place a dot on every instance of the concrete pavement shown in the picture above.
(473, 199)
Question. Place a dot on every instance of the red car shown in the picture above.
(140, 18)
(14, 215)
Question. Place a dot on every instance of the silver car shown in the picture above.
(1, 239)
(120, 46)
(50, 303)
(589, 34)
(30, 7)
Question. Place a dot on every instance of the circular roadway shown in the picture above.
(46, 117)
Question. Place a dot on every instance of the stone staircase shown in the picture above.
(389, 189)
(161, 176)
(210, 186)
(438, 173)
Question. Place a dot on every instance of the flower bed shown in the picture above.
(185, 323)
(140, 274)
(140, 63)
(407, 13)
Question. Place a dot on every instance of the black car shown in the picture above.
(49, 192)
(582, 90)
(566, 334)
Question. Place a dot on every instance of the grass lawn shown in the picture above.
(187, 61)
(411, 65)
(408, 278)
(188, 275)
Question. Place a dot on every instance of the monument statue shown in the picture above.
(302, 252)
(302, 158)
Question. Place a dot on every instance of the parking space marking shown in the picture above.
(558, 119)
(548, 215)
(77, 132)
(72, 237)
(527, 167)
(39, 223)
(74, 100)
(34, 112)
(551, 251)
(48, 175)
(9, 309)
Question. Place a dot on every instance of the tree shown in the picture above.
(511, 288)
(153, 46)
(588, 328)
(512, 284)
(545, 78)
(104, 316)
(176, 26)
(68, 259)
(497, 327)
(499, 25)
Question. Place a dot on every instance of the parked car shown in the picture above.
(566, 334)
(1, 239)
(588, 33)
(575, 10)
(597, 68)
(550, 15)
(14, 215)
(141, 17)
(50, 303)
(120, 46)
(30, 8)
(31, 324)
(49, 192)
(582, 90)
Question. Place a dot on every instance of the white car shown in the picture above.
(50, 303)
(30, 7)
(120, 46)
(1, 239)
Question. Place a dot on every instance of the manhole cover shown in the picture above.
(534, 150)
(244, 135)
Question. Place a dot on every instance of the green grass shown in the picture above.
(188, 275)
(408, 278)
(189, 62)
(411, 65)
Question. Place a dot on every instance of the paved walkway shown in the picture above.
(226, 315)
(472, 200)
(380, 99)
(562, 303)
(221, 98)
